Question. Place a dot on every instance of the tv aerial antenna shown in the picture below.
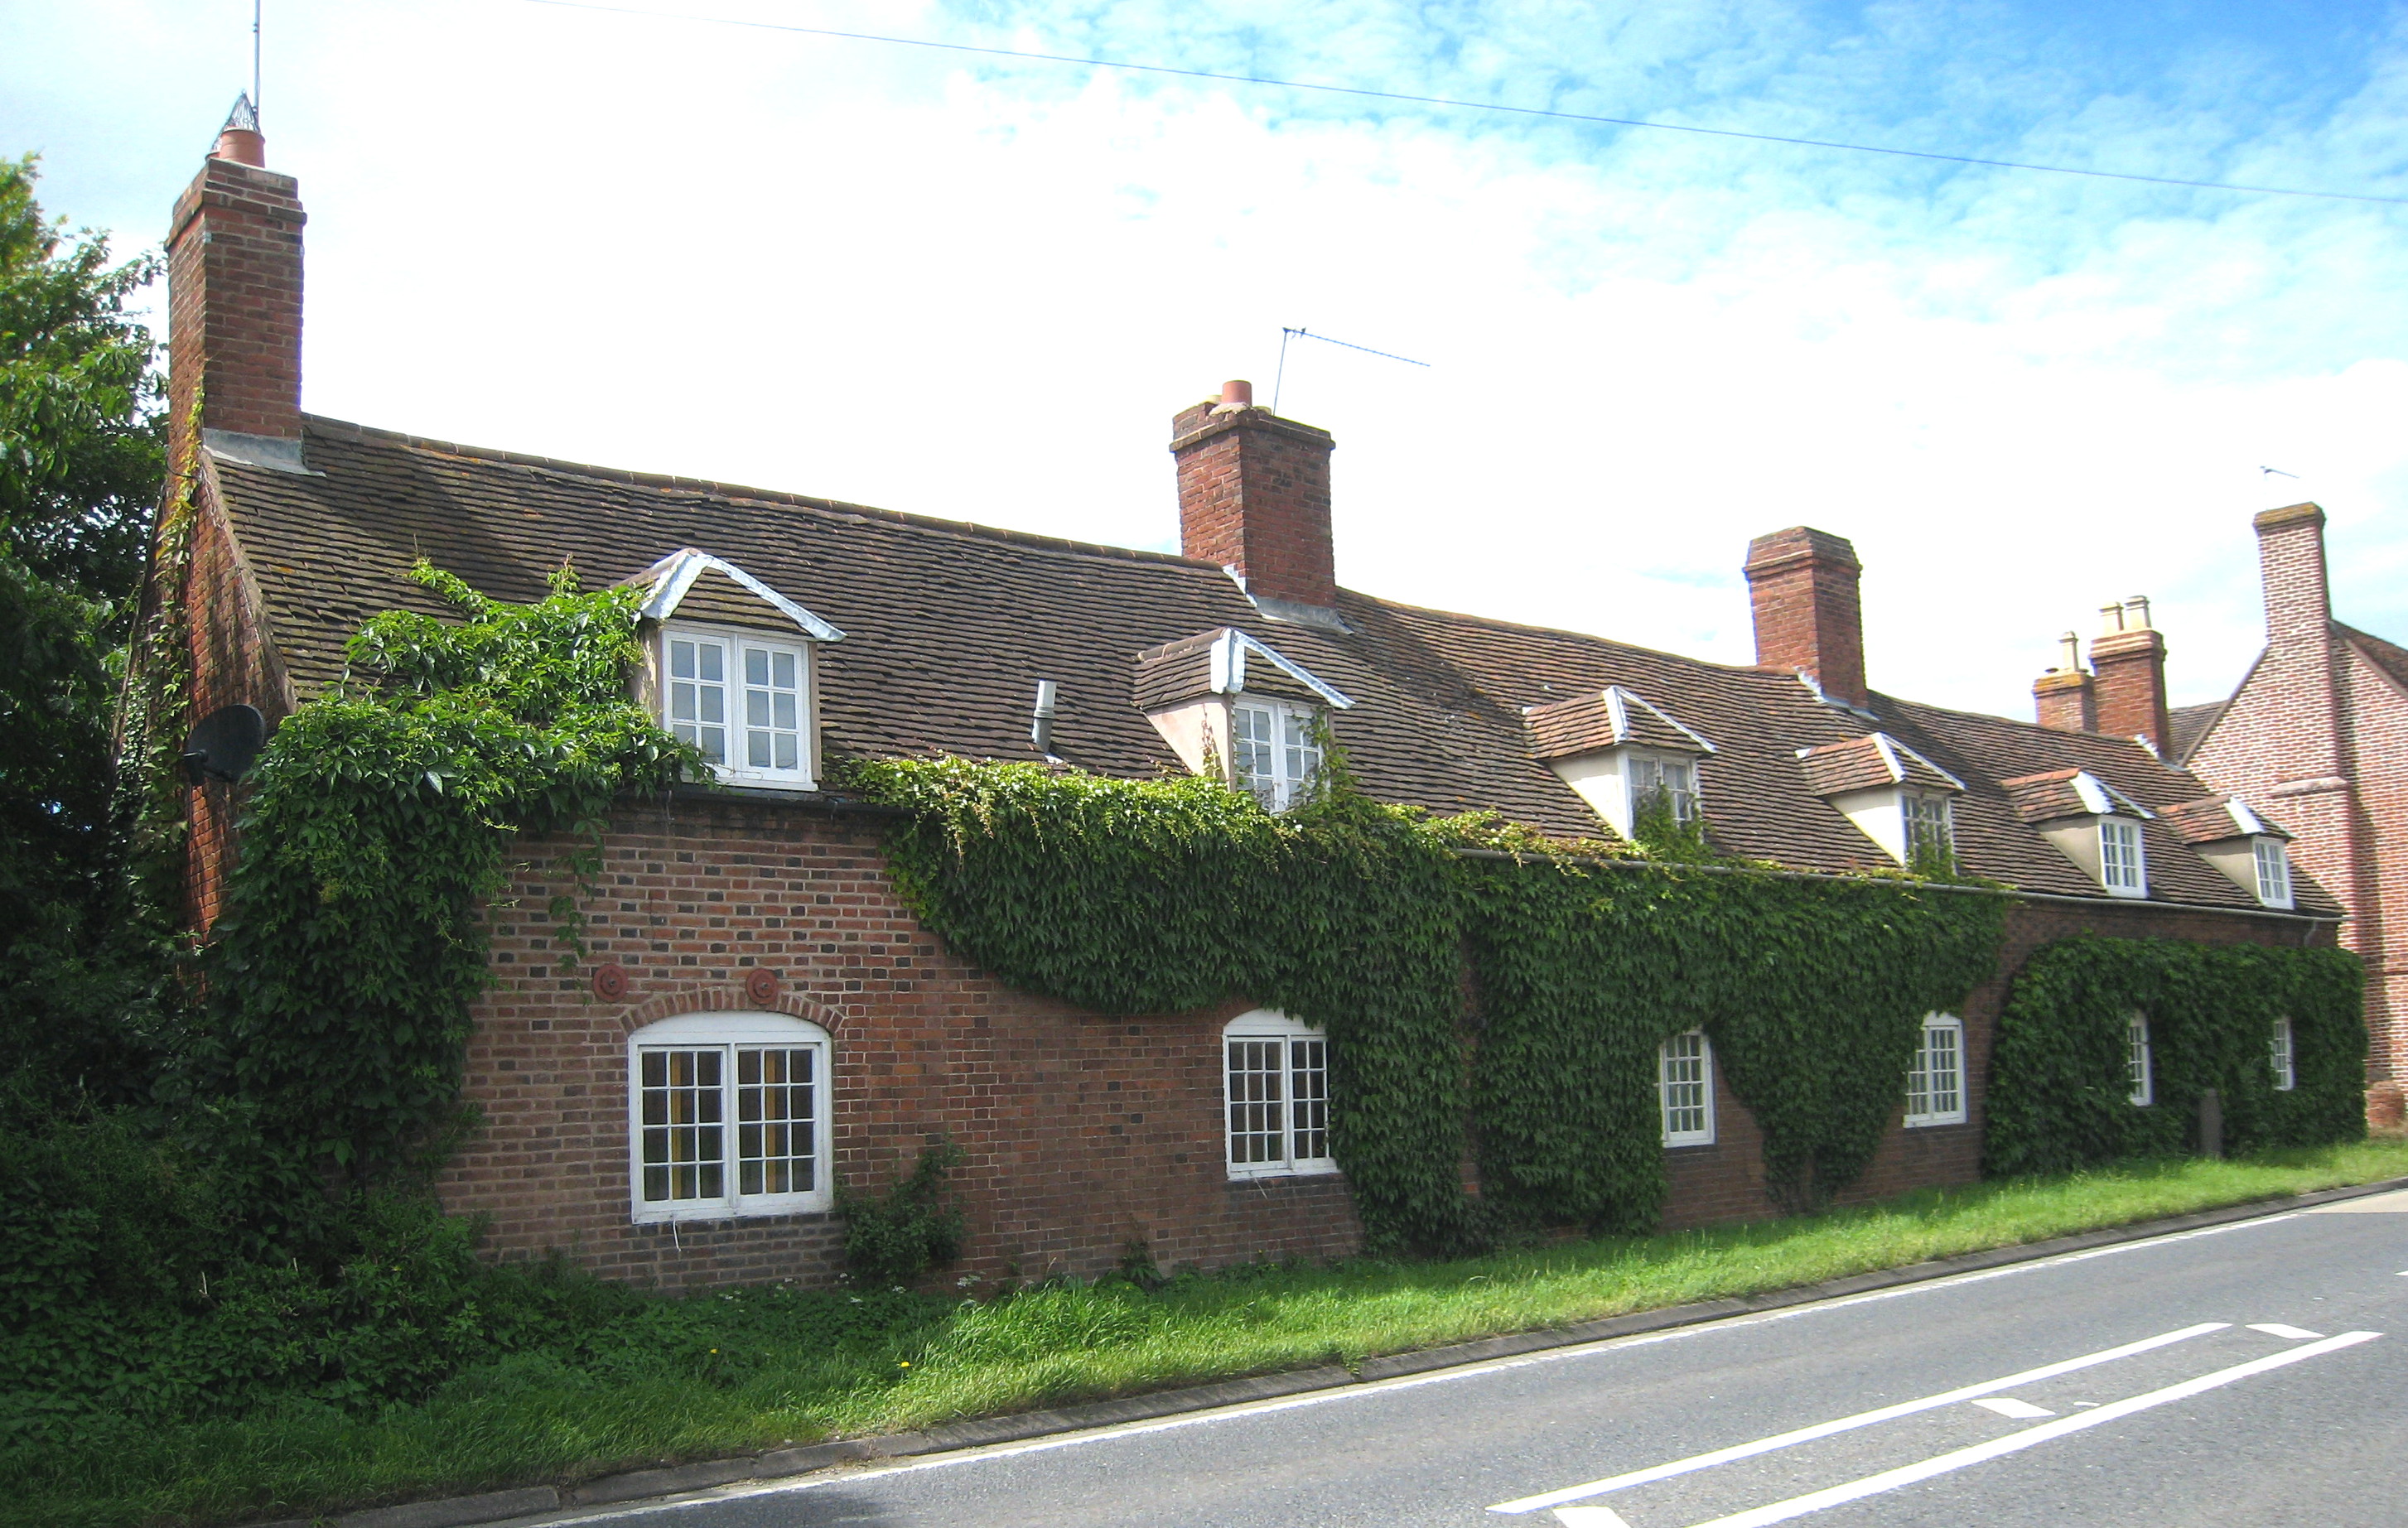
(1287, 333)
(256, 6)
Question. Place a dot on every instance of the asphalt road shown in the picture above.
(2253, 1374)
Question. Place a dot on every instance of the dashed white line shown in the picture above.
(1589, 1517)
(2007, 1406)
(1843, 1424)
(2288, 1334)
(1873, 1485)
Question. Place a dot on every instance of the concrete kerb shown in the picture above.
(535, 1502)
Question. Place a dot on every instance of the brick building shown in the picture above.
(763, 1014)
(2317, 729)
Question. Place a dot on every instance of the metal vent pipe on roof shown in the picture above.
(1041, 726)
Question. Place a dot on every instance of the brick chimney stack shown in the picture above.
(2062, 697)
(1802, 585)
(234, 303)
(1254, 495)
(2128, 656)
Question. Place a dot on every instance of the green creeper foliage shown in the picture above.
(1811, 991)
(2061, 1094)
(895, 1239)
(339, 979)
(1171, 896)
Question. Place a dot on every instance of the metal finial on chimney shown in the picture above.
(239, 139)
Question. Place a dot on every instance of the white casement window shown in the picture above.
(1276, 1078)
(744, 701)
(2123, 867)
(1655, 778)
(2140, 1067)
(2287, 1075)
(1935, 1081)
(2273, 873)
(1930, 828)
(1271, 750)
(727, 1115)
(1685, 1089)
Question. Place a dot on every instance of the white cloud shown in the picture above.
(978, 290)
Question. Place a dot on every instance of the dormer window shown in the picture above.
(1630, 759)
(2251, 851)
(1895, 797)
(2273, 864)
(2123, 865)
(1661, 783)
(741, 699)
(1272, 749)
(1930, 827)
(737, 688)
(1230, 705)
(2092, 823)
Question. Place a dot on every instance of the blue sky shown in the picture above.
(977, 287)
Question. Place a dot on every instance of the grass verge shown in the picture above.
(726, 1373)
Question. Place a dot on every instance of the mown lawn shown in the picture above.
(722, 1374)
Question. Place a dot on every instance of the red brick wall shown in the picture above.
(231, 664)
(2318, 738)
(1253, 495)
(1084, 1131)
(2063, 699)
(1725, 1181)
(2130, 687)
(1802, 586)
(234, 299)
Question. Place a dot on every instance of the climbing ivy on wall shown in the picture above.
(1811, 991)
(1170, 895)
(2059, 1090)
(329, 1045)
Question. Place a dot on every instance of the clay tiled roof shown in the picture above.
(2212, 819)
(1612, 717)
(2189, 723)
(949, 626)
(2390, 657)
(1869, 762)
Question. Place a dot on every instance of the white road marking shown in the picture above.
(2290, 1334)
(2007, 1406)
(1873, 1485)
(974, 1454)
(1589, 1517)
(1843, 1424)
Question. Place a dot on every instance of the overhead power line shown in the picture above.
(1404, 98)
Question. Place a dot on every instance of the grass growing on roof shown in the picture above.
(720, 1374)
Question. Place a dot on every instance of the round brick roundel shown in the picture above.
(761, 984)
(611, 981)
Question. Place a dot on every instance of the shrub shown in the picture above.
(895, 1239)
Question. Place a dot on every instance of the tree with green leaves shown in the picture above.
(81, 461)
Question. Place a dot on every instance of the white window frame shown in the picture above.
(1679, 1057)
(1295, 752)
(1248, 1116)
(736, 647)
(2126, 833)
(2139, 1061)
(2282, 1057)
(727, 1033)
(1687, 801)
(1942, 815)
(2272, 857)
(1942, 1104)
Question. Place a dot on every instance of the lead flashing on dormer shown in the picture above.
(1619, 702)
(2102, 798)
(673, 577)
(1228, 672)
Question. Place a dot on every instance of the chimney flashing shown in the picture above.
(272, 453)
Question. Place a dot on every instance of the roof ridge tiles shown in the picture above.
(320, 424)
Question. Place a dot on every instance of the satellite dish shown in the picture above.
(225, 745)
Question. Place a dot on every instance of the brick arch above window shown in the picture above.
(726, 997)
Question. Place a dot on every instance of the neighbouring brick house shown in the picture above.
(2317, 729)
(753, 960)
